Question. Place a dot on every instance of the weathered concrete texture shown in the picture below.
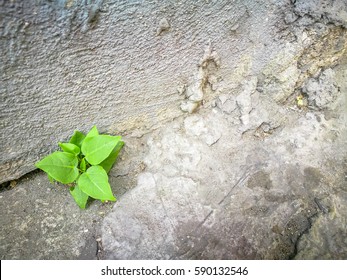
(251, 173)
(322, 91)
(128, 67)
(218, 187)
(67, 65)
(323, 10)
(41, 221)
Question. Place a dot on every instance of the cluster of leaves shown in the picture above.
(84, 162)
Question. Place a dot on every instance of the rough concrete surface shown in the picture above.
(129, 66)
(233, 115)
(272, 192)
(68, 65)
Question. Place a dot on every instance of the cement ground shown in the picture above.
(242, 178)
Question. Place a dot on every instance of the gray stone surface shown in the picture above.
(219, 193)
(129, 67)
(41, 221)
(323, 10)
(68, 65)
(221, 160)
(322, 91)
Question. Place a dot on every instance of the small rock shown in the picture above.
(290, 18)
(226, 103)
(322, 91)
(189, 106)
(197, 126)
(164, 25)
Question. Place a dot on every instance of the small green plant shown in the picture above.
(84, 162)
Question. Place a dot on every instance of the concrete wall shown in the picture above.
(130, 66)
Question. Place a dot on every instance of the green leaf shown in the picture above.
(110, 160)
(94, 183)
(61, 166)
(70, 148)
(97, 148)
(77, 138)
(80, 197)
(93, 132)
(83, 165)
